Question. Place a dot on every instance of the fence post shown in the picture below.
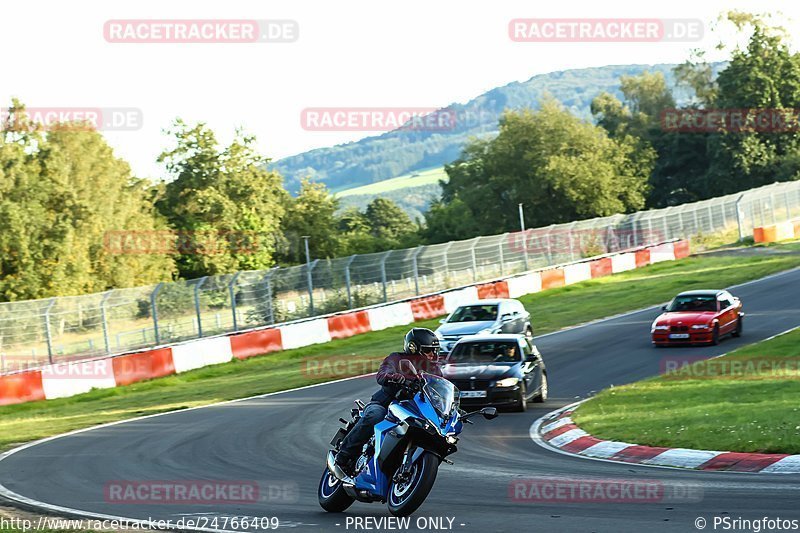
(155, 311)
(740, 216)
(47, 331)
(414, 255)
(309, 268)
(549, 245)
(447, 263)
(197, 305)
(383, 275)
(233, 299)
(104, 319)
(474, 261)
(268, 279)
(347, 280)
(500, 254)
(525, 250)
(570, 241)
(786, 205)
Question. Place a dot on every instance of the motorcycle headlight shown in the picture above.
(508, 382)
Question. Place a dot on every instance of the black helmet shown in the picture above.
(422, 340)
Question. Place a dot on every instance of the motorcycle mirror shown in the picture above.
(489, 412)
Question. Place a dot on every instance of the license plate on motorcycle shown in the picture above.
(679, 336)
(473, 394)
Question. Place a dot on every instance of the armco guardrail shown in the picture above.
(39, 332)
(70, 378)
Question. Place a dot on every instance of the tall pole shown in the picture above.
(308, 278)
(522, 230)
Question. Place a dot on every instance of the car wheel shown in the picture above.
(543, 391)
(739, 328)
(522, 404)
(715, 336)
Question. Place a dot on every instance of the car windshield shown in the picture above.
(693, 303)
(485, 353)
(474, 313)
(442, 394)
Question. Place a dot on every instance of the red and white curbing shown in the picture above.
(559, 431)
(66, 379)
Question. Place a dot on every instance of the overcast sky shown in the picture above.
(350, 54)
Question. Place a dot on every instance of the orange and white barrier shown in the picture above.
(68, 379)
(784, 231)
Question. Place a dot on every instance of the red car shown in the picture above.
(698, 317)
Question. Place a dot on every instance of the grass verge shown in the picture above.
(552, 310)
(745, 401)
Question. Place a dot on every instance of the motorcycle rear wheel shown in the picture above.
(332, 496)
(405, 498)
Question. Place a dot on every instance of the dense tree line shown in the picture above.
(63, 191)
(563, 168)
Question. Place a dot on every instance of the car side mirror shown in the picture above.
(489, 412)
(664, 307)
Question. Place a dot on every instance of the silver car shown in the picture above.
(484, 317)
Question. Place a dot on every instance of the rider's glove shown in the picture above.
(398, 379)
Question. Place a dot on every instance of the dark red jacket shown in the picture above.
(398, 363)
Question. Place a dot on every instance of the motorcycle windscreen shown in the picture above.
(442, 394)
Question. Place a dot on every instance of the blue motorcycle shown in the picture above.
(398, 465)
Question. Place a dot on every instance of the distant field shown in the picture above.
(430, 176)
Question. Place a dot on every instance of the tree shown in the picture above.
(61, 193)
(763, 75)
(224, 199)
(312, 213)
(558, 166)
(681, 158)
(387, 220)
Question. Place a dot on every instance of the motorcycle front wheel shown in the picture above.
(405, 498)
(332, 496)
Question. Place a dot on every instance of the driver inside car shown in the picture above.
(397, 381)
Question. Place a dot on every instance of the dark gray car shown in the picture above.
(497, 370)
(484, 317)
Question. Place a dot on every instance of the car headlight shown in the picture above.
(508, 382)
(660, 327)
(486, 331)
(438, 335)
(700, 326)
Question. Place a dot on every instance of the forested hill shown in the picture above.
(391, 154)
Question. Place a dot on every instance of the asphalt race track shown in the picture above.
(280, 441)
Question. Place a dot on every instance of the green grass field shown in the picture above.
(745, 401)
(552, 310)
(414, 179)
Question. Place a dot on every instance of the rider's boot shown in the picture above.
(346, 463)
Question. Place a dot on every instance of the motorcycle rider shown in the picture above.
(421, 349)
